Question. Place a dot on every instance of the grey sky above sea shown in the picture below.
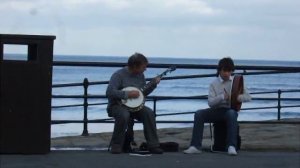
(256, 29)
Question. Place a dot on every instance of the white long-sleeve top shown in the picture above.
(216, 97)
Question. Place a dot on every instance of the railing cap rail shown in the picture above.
(184, 66)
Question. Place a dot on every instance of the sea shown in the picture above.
(177, 87)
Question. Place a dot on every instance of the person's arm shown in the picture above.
(214, 99)
(245, 97)
(151, 86)
(113, 90)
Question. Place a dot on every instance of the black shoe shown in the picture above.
(116, 149)
(156, 150)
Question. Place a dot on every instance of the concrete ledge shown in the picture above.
(258, 137)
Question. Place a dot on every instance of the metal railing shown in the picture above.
(86, 96)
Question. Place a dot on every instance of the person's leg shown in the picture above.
(204, 116)
(232, 127)
(147, 117)
(121, 116)
(197, 134)
(201, 117)
(129, 137)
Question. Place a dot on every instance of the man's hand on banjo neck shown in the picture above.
(157, 80)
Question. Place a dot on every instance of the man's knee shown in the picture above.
(232, 114)
(147, 112)
(199, 114)
(121, 116)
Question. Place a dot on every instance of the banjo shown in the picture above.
(136, 104)
(236, 90)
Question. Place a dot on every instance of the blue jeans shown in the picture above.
(212, 115)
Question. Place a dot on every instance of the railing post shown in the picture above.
(279, 105)
(154, 105)
(85, 106)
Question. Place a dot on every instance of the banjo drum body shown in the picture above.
(135, 104)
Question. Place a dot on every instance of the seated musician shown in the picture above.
(131, 76)
(220, 109)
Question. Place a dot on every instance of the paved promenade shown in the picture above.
(103, 159)
(263, 146)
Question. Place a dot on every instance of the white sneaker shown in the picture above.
(192, 150)
(231, 150)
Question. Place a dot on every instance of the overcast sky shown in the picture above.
(253, 29)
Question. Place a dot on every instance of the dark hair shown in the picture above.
(225, 64)
(136, 60)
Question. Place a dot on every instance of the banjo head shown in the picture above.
(133, 103)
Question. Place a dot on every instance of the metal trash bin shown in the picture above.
(25, 96)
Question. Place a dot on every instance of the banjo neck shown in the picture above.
(152, 82)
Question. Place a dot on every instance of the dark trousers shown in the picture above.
(212, 115)
(122, 118)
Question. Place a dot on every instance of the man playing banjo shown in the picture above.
(131, 76)
(220, 100)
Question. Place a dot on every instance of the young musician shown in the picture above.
(220, 109)
(132, 75)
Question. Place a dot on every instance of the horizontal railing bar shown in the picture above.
(179, 113)
(270, 122)
(270, 107)
(67, 121)
(111, 120)
(242, 122)
(214, 75)
(259, 108)
(67, 85)
(265, 92)
(184, 66)
(173, 122)
(291, 90)
(290, 106)
(149, 97)
(170, 78)
(170, 97)
(282, 91)
(265, 72)
(77, 105)
(164, 97)
(205, 97)
(184, 113)
(72, 105)
(270, 98)
(88, 64)
(254, 108)
(95, 104)
(176, 97)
